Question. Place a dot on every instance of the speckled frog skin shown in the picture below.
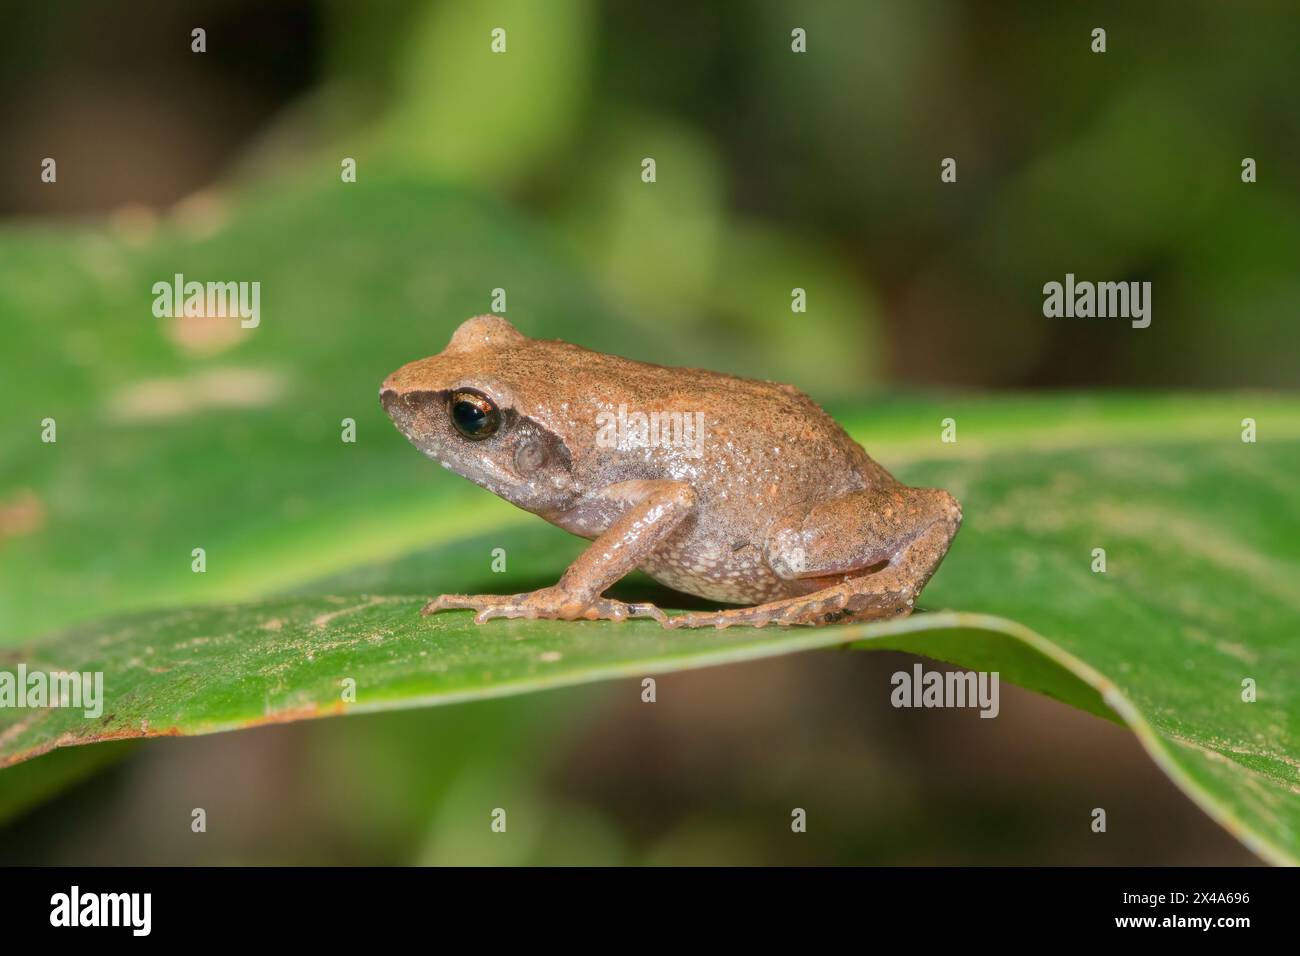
(739, 491)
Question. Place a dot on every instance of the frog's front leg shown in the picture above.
(873, 551)
(658, 508)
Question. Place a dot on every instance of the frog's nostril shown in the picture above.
(390, 399)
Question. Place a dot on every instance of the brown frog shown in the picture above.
(739, 491)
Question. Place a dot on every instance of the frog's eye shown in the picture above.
(474, 415)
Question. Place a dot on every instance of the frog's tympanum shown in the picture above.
(739, 491)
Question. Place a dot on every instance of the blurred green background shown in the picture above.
(522, 171)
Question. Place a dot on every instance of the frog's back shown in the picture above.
(761, 429)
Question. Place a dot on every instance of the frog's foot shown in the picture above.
(851, 600)
(547, 603)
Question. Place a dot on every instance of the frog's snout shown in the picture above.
(406, 409)
(389, 397)
(402, 405)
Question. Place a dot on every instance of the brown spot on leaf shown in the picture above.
(21, 514)
(74, 740)
(202, 335)
(162, 398)
(308, 712)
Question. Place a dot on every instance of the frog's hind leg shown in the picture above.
(908, 530)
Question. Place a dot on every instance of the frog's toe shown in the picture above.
(486, 606)
(502, 610)
(647, 610)
(436, 605)
(606, 609)
(541, 604)
(471, 602)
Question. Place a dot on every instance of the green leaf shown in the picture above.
(172, 437)
(1201, 541)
